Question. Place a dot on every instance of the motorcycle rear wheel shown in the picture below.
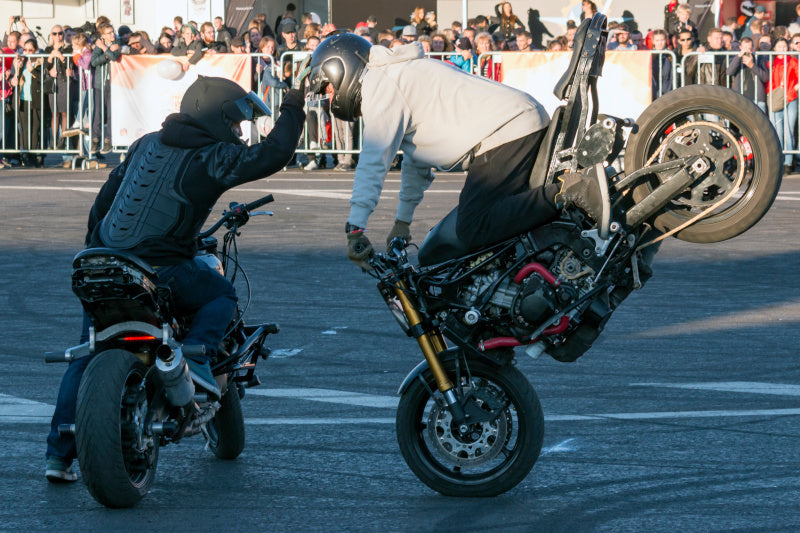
(489, 459)
(226, 430)
(757, 138)
(117, 459)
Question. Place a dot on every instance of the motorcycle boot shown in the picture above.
(581, 191)
(200, 372)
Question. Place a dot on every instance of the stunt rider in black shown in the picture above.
(154, 205)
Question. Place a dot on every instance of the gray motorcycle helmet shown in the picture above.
(218, 103)
(340, 60)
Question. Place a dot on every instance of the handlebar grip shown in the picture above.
(258, 203)
(55, 357)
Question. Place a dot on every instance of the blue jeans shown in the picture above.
(785, 121)
(197, 289)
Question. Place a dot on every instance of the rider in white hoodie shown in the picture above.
(440, 117)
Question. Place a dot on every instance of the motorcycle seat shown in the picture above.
(442, 242)
(116, 286)
(128, 257)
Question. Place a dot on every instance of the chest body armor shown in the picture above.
(150, 204)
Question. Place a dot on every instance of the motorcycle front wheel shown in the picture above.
(117, 456)
(481, 459)
(713, 109)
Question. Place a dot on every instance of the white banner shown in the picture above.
(623, 89)
(147, 88)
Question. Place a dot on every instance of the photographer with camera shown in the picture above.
(11, 38)
(749, 74)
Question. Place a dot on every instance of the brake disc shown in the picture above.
(481, 443)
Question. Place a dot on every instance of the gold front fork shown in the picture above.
(431, 343)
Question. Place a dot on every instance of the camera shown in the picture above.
(16, 18)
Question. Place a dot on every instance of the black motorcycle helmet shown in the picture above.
(340, 60)
(218, 104)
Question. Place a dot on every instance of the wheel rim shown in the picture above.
(486, 449)
(717, 145)
(139, 449)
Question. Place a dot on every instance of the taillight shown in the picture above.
(139, 339)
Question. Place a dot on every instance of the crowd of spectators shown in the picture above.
(74, 58)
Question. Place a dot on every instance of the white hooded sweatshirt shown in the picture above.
(438, 115)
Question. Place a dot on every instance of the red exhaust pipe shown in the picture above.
(510, 342)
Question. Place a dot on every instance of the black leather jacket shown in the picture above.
(197, 170)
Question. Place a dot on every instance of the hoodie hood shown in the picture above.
(182, 131)
(380, 56)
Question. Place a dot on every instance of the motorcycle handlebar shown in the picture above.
(258, 203)
(236, 210)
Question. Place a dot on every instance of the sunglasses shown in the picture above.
(57, 33)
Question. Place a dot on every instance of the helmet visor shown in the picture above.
(247, 107)
(317, 80)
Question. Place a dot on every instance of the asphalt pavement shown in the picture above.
(684, 416)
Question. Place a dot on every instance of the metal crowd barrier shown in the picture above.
(38, 109)
(33, 127)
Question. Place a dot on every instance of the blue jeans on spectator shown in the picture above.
(197, 289)
(785, 121)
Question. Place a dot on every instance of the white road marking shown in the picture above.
(334, 330)
(330, 396)
(284, 353)
(15, 410)
(50, 188)
(22, 411)
(311, 193)
(732, 386)
(315, 421)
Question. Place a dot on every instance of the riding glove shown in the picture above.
(400, 229)
(303, 71)
(359, 249)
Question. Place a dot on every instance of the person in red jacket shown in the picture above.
(782, 99)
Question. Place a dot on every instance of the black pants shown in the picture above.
(496, 202)
(31, 123)
(101, 110)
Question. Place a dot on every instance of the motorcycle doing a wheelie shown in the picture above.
(701, 163)
(136, 394)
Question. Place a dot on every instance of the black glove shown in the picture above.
(359, 249)
(400, 229)
(302, 73)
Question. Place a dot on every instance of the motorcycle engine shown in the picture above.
(534, 299)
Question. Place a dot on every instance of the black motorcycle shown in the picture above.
(702, 163)
(136, 394)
